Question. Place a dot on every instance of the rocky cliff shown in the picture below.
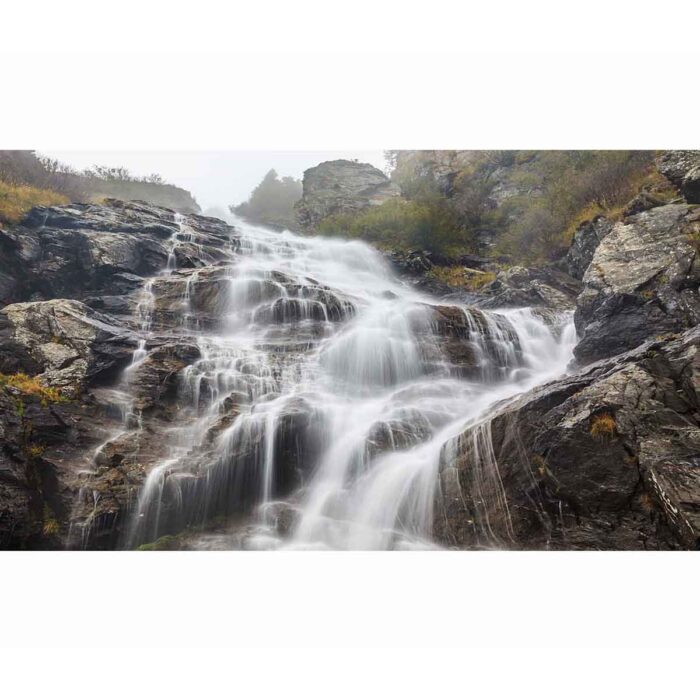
(73, 281)
(339, 187)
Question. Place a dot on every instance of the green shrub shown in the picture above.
(403, 223)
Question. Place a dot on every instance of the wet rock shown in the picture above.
(397, 433)
(80, 250)
(682, 168)
(43, 447)
(642, 282)
(603, 459)
(341, 186)
(156, 380)
(476, 343)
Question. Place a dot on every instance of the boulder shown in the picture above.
(682, 168)
(606, 458)
(65, 342)
(339, 187)
(642, 282)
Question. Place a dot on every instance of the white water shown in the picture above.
(345, 397)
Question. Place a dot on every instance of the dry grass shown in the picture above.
(50, 525)
(31, 386)
(458, 276)
(17, 200)
(603, 426)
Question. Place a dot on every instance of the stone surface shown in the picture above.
(341, 186)
(642, 282)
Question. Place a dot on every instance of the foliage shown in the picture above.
(28, 169)
(527, 203)
(17, 200)
(272, 201)
(32, 386)
(401, 223)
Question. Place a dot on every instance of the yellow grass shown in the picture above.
(603, 426)
(31, 386)
(17, 200)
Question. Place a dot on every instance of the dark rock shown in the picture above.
(642, 282)
(86, 250)
(44, 446)
(587, 237)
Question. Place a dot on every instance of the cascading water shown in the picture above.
(324, 393)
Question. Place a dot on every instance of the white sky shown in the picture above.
(215, 178)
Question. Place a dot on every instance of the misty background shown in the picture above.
(215, 178)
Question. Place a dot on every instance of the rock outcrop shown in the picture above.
(682, 168)
(587, 238)
(70, 344)
(341, 186)
(74, 446)
(82, 250)
(606, 458)
(642, 282)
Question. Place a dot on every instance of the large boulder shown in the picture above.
(606, 458)
(642, 282)
(66, 343)
(341, 186)
(682, 168)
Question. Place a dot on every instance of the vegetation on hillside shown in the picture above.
(28, 179)
(525, 204)
(16, 200)
(426, 222)
(272, 201)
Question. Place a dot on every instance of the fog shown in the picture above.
(215, 178)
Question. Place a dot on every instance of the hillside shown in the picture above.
(522, 204)
(27, 180)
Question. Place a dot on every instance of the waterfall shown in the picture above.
(323, 395)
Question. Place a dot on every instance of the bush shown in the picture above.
(401, 223)
(527, 203)
(272, 201)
